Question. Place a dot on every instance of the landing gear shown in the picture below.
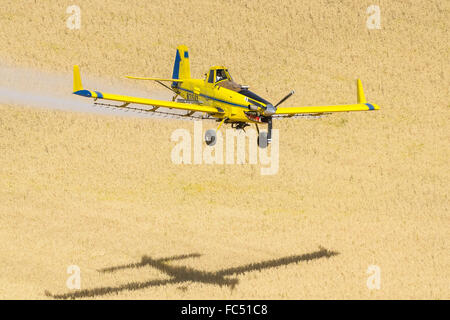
(269, 130)
(262, 140)
(210, 137)
(265, 138)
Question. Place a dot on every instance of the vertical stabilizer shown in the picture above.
(181, 67)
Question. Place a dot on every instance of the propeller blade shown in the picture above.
(285, 98)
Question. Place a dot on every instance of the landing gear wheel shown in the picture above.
(210, 137)
(262, 140)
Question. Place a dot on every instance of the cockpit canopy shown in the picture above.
(221, 77)
(217, 74)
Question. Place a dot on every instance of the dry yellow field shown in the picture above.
(352, 190)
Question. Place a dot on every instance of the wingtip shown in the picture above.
(362, 98)
(360, 92)
(77, 85)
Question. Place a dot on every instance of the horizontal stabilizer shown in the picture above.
(154, 79)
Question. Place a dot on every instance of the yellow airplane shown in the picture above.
(217, 97)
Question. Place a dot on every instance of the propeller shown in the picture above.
(270, 109)
(284, 99)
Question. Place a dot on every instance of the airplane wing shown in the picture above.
(322, 252)
(191, 108)
(362, 105)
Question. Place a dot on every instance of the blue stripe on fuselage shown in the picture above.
(223, 101)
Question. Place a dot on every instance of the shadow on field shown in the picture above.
(181, 274)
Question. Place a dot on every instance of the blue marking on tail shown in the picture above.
(176, 69)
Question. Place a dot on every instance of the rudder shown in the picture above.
(181, 67)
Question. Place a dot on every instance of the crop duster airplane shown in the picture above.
(217, 97)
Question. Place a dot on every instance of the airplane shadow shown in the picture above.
(181, 274)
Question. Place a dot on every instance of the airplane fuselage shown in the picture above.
(238, 105)
(234, 104)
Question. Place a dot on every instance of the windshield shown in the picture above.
(221, 75)
(228, 75)
(253, 96)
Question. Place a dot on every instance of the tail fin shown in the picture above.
(77, 86)
(360, 92)
(181, 68)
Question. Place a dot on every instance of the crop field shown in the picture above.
(100, 191)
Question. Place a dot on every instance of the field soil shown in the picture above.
(354, 193)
